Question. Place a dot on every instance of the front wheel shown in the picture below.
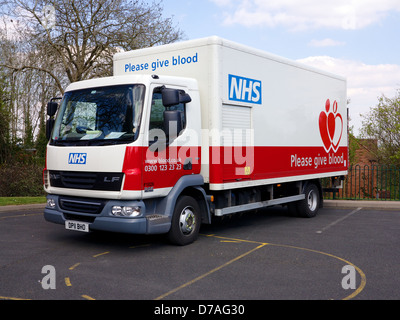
(185, 224)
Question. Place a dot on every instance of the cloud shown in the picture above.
(365, 83)
(306, 14)
(326, 43)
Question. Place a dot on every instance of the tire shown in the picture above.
(186, 221)
(308, 208)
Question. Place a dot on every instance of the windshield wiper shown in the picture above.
(82, 129)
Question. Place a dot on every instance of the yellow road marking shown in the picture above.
(233, 239)
(74, 266)
(11, 298)
(228, 240)
(68, 282)
(101, 254)
(209, 272)
(361, 273)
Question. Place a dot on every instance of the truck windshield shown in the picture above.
(99, 116)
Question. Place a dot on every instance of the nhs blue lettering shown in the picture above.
(77, 158)
(245, 89)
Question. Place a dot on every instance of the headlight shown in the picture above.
(116, 210)
(125, 211)
(51, 203)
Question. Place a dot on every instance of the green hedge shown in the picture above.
(21, 180)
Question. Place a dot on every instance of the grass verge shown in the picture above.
(8, 201)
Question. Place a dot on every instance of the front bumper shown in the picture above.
(102, 219)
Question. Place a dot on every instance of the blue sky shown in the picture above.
(358, 39)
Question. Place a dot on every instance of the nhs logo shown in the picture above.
(77, 158)
(245, 89)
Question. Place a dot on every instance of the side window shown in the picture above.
(157, 112)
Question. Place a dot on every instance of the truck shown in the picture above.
(188, 132)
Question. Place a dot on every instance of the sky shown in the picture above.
(357, 39)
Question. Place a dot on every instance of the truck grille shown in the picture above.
(82, 205)
(86, 180)
(81, 209)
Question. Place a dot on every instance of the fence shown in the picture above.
(372, 182)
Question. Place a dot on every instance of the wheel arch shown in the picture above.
(200, 196)
(189, 185)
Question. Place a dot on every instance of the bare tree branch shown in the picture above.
(22, 68)
(41, 56)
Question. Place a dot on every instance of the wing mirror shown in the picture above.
(172, 97)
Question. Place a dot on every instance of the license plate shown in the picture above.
(77, 226)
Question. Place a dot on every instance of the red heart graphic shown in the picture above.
(323, 129)
(331, 127)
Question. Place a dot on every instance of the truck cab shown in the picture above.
(118, 147)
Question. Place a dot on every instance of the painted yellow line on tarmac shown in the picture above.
(101, 254)
(87, 297)
(361, 273)
(362, 285)
(209, 272)
(68, 282)
(11, 298)
(74, 266)
(233, 239)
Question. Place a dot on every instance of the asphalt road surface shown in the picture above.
(350, 253)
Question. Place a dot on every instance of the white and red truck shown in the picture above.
(186, 132)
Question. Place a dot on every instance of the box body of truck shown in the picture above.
(208, 125)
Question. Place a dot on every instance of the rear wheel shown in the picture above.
(185, 224)
(309, 207)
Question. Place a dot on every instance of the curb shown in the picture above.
(365, 204)
(22, 207)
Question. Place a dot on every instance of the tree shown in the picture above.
(383, 123)
(77, 38)
(5, 145)
(45, 45)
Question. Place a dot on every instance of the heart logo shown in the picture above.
(331, 127)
